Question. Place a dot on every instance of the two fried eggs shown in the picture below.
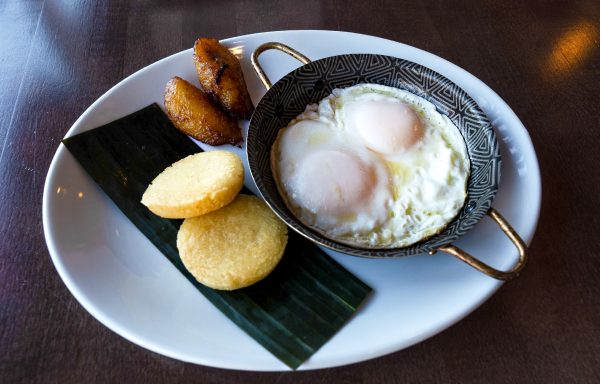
(372, 166)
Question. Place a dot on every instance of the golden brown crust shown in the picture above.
(193, 113)
(195, 185)
(221, 76)
(232, 247)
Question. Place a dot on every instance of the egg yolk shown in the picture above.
(333, 182)
(385, 126)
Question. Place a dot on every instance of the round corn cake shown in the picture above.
(195, 185)
(233, 247)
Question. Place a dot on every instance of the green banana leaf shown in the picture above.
(292, 312)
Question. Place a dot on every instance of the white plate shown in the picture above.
(124, 282)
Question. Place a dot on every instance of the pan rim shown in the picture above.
(458, 225)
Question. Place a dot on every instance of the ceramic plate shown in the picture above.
(124, 282)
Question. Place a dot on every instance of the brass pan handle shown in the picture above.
(272, 45)
(481, 266)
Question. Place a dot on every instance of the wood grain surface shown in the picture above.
(542, 57)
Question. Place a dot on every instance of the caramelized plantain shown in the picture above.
(193, 113)
(220, 75)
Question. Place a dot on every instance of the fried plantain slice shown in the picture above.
(220, 75)
(193, 113)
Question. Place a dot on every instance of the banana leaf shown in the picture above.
(292, 312)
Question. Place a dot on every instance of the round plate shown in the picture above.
(124, 282)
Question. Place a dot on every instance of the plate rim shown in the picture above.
(117, 328)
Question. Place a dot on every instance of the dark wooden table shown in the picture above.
(542, 57)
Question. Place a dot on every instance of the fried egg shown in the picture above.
(372, 166)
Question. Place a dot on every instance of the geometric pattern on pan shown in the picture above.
(314, 81)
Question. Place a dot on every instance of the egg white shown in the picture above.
(417, 192)
(295, 146)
